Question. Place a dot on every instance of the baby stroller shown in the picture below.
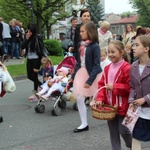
(59, 98)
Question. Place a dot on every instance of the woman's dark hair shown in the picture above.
(32, 28)
(83, 11)
(140, 31)
(91, 31)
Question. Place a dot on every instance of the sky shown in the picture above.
(117, 6)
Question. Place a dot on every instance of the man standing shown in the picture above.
(6, 36)
(71, 31)
(69, 38)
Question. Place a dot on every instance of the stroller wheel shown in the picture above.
(75, 106)
(62, 104)
(36, 109)
(41, 108)
(52, 112)
(56, 111)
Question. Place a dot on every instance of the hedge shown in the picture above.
(53, 47)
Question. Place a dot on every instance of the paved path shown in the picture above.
(14, 61)
(23, 129)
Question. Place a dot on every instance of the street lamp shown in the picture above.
(30, 5)
(74, 13)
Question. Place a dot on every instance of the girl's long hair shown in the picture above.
(145, 40)
(91, 31)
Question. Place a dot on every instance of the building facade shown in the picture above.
(119, 27)
(60, 28)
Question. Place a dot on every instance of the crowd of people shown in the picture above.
(120, 66)
(123, 68)
(11, 37)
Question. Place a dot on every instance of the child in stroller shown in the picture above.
(45, 71)
(58, 83)
(67, 65)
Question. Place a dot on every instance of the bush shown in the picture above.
(53, 47)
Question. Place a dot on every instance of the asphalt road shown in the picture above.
(24, 129)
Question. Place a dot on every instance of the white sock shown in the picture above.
(82, 111)
(136, 144)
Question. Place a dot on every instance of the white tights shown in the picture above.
(44, 89)
(136, 144)
(82, 111)
(50, 90)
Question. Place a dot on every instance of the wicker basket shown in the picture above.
(107, 113)
(104, 114)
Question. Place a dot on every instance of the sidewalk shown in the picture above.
(14, 61)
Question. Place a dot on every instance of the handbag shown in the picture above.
(131, 117)
(8, 83)
(42, 51)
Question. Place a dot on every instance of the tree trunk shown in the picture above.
(39, 24)
(47, 30)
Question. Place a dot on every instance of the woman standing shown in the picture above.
(34, 46)
(87, 71)
(85, 17)
(16, 37)
(128, 35)
(104, 35)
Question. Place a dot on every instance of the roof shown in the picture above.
(131, 19)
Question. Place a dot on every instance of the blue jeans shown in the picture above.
(15, 49)
(5, 45)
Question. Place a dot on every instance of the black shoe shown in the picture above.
(1, 119)
(80, 130)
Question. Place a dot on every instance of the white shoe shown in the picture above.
(44, 97)
(38, 95)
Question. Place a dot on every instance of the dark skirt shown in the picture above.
(142, 130)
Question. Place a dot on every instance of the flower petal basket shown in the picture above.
(106, 112)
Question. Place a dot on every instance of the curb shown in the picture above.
(21, 77)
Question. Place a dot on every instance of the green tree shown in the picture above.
(45, 12)
(13, 9)
(97, 11)
(143, 10)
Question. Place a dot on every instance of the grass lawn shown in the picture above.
(20, 69)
